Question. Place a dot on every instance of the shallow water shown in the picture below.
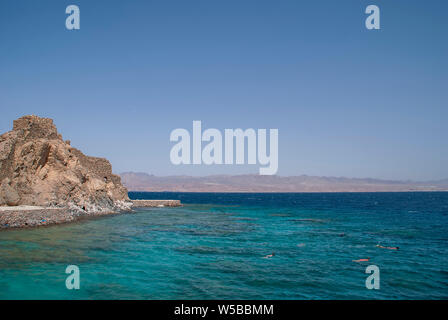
(213, 248)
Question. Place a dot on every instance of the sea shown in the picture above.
(218, 246)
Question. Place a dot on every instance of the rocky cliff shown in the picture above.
(37, 167)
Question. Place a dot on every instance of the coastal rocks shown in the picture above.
(39, 168)
(26, 216)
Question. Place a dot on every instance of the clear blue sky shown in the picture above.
(347, 101)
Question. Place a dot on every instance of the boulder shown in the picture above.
(8, 194)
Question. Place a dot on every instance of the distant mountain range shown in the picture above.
(137, 181)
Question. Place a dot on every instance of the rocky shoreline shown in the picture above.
(45, 181)
(19, 217)
(28, 217)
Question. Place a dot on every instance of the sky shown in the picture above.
(347, 101)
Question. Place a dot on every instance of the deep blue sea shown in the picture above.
(213, 248)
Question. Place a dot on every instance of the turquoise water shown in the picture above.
(213, 248)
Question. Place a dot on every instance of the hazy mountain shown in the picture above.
(136, 181)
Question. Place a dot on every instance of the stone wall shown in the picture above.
(155, 203)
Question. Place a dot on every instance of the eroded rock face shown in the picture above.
(38, 168)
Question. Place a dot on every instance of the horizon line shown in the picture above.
(282, 176)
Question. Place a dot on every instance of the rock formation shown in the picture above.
(37, 167)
